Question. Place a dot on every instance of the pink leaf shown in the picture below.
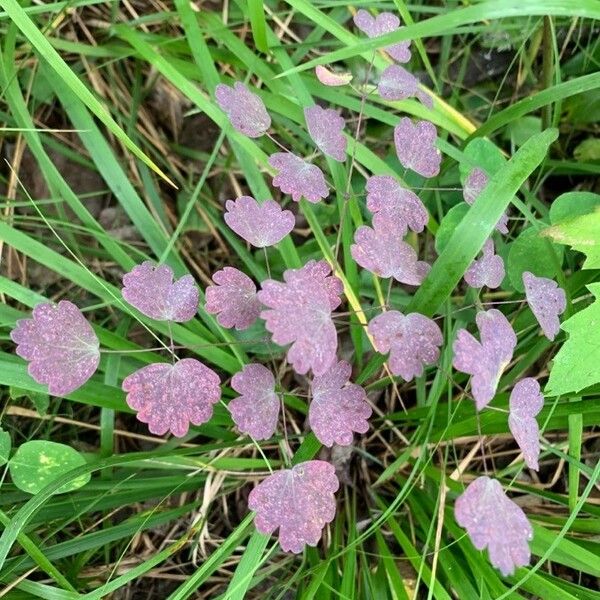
(396, 83)
(415, 147)
(261, 225)
(256, 410)
(495, 522)
(525, 403)
(487, 270)
(150, 288)
(300, 314)
(330, 78)
(546, 300)
(338, 407)
(485, 360)
(299, 502)
(318, 272)
(475, 182)
(60, 345)
(412, 341)
(395, 205)
(170, 397)
(298, 177)
(382, 251)
(385, 22)
(233, 299)
(325, 127)
(246, 111)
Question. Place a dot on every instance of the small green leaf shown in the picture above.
(576, 364)
(38, 463)
(5, 445)
(481, 153)
(532, 252)
(582, 233)
(573, 204)
(588, 150)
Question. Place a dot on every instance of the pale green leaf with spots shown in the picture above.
(38, 463)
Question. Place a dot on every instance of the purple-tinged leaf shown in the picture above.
(495, 522)
(299, 502)
(170, 397)
(299, 313)
(261, 225)
(338, 408)
(331, 78)
(396, 83)
(476, 180)
(318, 273)
(526, 401)
(298, 177)
(382, 251)
(413, 341)
(415, 147)
(487, 270)
(325, 127)
(246, 111)
(60, 345)
(256, 410)
(150, 288)
(394, 205)
(546, 300)
(233, 299)
(383, 23)
(485, 360)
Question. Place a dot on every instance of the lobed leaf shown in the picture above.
(246, 111)
(487, 270)
(298, 177)
(170, 397)
(415, 147)
(60, 345)
(298, 501)
(525, 403)
(150, 288)
(325, 127)
(547, 302)
(338, 407)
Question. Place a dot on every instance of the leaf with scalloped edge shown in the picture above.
(298, 177)
(338, 408)
(298, 312)
(245, 110)
(325, 127)
(150, 288)
(60, 345)
(260, 224)
(381, 251)
(233, 299)
(495, 522)
(488, 270)
(256, 410)
(415, 147)
(547, 302)
(299, 502)
(383, 23)
(168, 397)
(412, 340)
(525, 403)
(485, 360)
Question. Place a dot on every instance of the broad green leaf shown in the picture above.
(588, 150)
(532, 252)
(5, 446)
(573, 204)
(576, 364)
(583, 234)
(482, 153)
(38, 463)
